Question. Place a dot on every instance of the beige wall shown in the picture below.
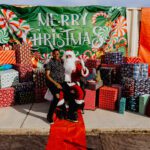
(133, 26)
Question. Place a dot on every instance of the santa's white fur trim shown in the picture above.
(79, 101)
(70, 52)
(61, 102)
(71, 84)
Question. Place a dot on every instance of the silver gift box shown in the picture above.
(8, 78)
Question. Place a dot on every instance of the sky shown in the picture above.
(125, 3)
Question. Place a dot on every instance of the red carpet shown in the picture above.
(65, 135)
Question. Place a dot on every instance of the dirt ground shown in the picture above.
(101, 141)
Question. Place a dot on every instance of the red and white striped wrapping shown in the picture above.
(7, 57)
(133, 60)
(108, 97)
(7, 97)
(8, 78)
(25, 72)
(39, 94)
(90, 99)
(23, 54)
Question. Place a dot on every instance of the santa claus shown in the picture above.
(74, 69)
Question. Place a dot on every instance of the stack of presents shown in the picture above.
(116, 83)
(123, 84)
(19, 83)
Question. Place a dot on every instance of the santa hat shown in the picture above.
(69, 52)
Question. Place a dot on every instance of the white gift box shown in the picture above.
(8, 78)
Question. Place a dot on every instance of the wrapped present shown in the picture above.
(143, 101)
(7, 57)
(128, 85)
(8, 78)
(132, 103)
(93, 85)
(108, 75)
(122, 105)
(7, 97)
(132, 87)
(25, 86)
(23, 54)
(119, 88)
(108, 98)
(90, 99)
(92, 63)
(113, 58)
(25, 72)
(39, 78)
(24, 97)
(133, 60)
(135, 71)
(39, 94)
(117, 71)
(147, 112)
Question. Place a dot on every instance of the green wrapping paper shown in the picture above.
(143, 100)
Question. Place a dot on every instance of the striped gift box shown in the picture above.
(143, 101)
(108, 98)
(23, 54)
(25, 72)
(8, 78)
(39, 78)
(7, 57)
(133, 60)
(7, 97)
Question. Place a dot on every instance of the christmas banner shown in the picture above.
(96, 29)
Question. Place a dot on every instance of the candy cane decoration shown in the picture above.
(15, 25)
(123, 39)
(84, 57)
(87, 51)
(9, 19)
(101, 13)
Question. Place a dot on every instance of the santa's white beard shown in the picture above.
(69, 65)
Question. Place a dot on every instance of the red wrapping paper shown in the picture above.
(25, 72)
(7, 97)
(23, 54)
(90, 99)
(108, 97)
(132, 60)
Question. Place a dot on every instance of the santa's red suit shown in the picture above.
(74, 69)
